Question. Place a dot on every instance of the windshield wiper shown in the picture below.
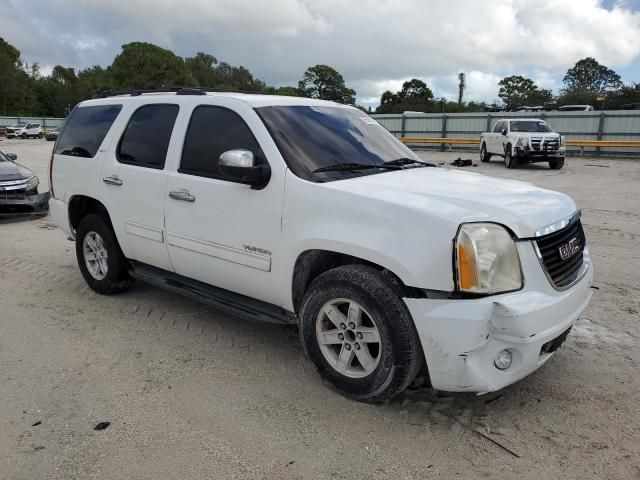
(355, 166)
(409, 161)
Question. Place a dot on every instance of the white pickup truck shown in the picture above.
(523, 140)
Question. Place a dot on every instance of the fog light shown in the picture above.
(502, 360)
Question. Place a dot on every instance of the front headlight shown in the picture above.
(486, 259)
(562, 140)
(32, 183)
(521, 142)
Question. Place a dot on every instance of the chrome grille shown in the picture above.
(561, 254)
(542, 144)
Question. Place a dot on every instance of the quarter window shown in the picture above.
(498, 128)
(85, 130)
(212, 131)
(146, 139)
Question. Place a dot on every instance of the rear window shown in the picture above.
(146, 140)
(85, 130)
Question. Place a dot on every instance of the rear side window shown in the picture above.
(146, 139)
(212, 131)
(85, 130)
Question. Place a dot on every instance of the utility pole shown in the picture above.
(462, 84)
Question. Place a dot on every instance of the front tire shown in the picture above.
(509, 160)
(25, 136)
(484, 155)
(100, 259)
(359, 334)
(40, 135)
(556, 164)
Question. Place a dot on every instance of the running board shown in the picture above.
(221, 299)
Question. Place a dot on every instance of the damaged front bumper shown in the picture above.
(18, 204)
(461, 337)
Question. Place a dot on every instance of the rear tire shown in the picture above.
(509, 160)
(484, 155)
(556, 164)
(100, 259)
(40, 135)
(25, 136)
(359, 334)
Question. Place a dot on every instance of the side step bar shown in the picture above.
(221, 299)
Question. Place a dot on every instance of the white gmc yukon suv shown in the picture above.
(523, 140)
(306, 212)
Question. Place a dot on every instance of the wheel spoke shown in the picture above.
(330, 337)
(91, 256)
(364, 357)
(335, 315)
(103, 266)
(344, 359)
(354, 315)
(369, 335)
(92, 243)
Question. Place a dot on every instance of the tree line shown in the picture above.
(586, 83)
(25, 91)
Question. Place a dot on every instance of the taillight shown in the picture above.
(51, 176)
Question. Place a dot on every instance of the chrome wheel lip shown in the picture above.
(345, 341)
(95, 255)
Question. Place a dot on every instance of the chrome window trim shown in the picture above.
(557, 226)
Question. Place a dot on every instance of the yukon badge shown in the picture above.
(252, 249)
(569, 249)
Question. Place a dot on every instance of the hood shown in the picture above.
(465, 197)
(13, 171)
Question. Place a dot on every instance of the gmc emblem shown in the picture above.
(569, 249)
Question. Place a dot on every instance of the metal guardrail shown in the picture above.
(582, 144)
(584, 127)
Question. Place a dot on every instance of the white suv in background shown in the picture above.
(28, 130)
(306, 212)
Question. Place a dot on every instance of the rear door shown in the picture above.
(134, 182)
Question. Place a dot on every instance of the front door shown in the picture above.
(135, 181)
(223, 233)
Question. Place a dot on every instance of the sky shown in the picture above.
(375, 45)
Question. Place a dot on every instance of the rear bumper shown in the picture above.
(461, 338)
(60, 216)
(24, 204)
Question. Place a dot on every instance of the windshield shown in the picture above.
(530, 126)
(3, 158)
(310, 138)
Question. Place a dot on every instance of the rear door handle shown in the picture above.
(112, 181)
(182, 195)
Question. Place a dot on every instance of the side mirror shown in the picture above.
(504, 131)
(11, 156)
(240, 166)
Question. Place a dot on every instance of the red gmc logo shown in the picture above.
(569, 249)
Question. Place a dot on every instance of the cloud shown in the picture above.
(375, 44)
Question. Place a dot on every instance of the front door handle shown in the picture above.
(113, 180)
(183, 195)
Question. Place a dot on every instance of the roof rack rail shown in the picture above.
(137, 92)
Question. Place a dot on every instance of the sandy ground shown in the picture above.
(192, 393)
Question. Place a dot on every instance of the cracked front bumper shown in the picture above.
(461, 338)
(24, 204)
